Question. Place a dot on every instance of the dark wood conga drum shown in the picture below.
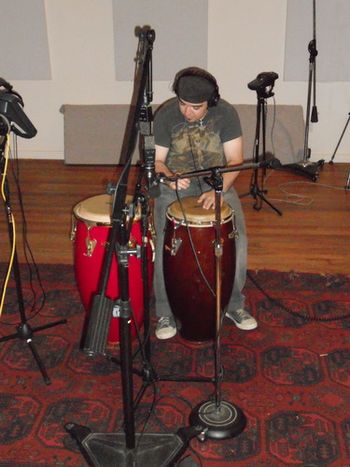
(189, 265)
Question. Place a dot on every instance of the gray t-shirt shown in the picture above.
(199, 145)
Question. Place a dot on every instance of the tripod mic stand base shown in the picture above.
(109, 449)
(218, 422)
(309, 169)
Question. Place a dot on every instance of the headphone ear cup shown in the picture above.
(214, 99)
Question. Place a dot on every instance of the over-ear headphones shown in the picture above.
(200, 73)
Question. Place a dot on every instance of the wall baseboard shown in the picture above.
(40, 154)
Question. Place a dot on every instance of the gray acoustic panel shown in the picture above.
(95, 134)
(181, 29)
(284, 135)
(23, 37)
(332, 33)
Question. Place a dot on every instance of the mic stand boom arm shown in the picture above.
(270, 164)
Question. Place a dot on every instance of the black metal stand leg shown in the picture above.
(26, 333)
(340, 139)
(257, 193)
(38, 361)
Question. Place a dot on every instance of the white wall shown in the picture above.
(245, 38)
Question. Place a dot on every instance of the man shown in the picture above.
(198, 130)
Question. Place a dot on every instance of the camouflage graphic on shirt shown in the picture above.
(195, 147)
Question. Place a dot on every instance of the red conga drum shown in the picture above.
(91, 227)
(189, 265)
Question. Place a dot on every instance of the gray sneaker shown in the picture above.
(166, 327)
(242, 319)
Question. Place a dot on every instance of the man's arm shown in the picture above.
(233, 151)
(160, 167)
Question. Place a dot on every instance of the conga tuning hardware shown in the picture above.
(175, 245)
(73, 231)
(90, 246)
(233, 234)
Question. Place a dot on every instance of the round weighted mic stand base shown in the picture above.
(221, 421)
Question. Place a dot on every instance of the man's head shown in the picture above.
(196, 90)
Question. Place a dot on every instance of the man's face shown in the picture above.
(193, 112)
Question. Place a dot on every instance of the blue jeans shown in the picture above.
(167, 196)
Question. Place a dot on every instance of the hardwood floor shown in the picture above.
(312, 237)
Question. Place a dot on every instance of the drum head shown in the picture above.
(97, 209)
(195, 213)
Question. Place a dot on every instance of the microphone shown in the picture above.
(5, 84)
(264, 83)
(11, 106)
(273, 163)
(5, 126)
(263, 80)
(148, 147)
(149, 166)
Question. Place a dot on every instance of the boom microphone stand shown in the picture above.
(128, 448)
(216, 418)
(305, 167)
(219, 419)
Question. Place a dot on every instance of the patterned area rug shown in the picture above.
(290, 377)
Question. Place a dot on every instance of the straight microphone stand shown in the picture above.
(24, 331)
(255, 191)
(306, 167)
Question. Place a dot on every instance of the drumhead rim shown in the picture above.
(92, 222)
(191, 223)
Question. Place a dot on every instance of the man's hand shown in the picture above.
(207, 199)
(182, 184)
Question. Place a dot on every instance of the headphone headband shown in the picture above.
(202, 75)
